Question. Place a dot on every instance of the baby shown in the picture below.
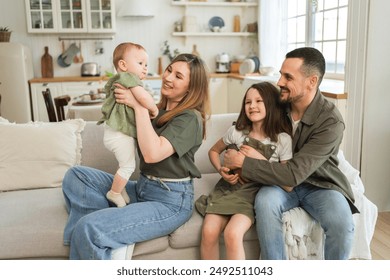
(131, 61)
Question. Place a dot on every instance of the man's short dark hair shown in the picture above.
(313, 61)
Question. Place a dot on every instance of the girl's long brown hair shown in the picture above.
(276, 120)
(197, 97)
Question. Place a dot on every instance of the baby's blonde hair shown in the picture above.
(121, 49)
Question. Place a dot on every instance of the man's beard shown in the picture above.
(289, 99)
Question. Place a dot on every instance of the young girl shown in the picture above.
(263, 126)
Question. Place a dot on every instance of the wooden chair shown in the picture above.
(60, 102)
(49, 105)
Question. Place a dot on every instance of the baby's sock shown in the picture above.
(116, 198)
(125, 196)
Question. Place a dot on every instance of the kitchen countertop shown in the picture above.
(329, 88)
(78, 79)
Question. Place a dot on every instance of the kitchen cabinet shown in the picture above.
(41, 16)
(73, 89)
(218, 97)
(198, 11)
(70, 16)
(101, 16)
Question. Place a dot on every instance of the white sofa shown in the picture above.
(34, 157)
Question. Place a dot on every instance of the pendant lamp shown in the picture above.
(134, 8)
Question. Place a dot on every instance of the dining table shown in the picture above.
(88, 111)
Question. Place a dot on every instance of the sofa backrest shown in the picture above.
(217, 126)
(94, 153)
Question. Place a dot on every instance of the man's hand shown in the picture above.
(233, 159)
(248, 151)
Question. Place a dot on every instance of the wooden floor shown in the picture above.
(380, 244)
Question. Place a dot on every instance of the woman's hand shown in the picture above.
(248, 151)
(125, 96)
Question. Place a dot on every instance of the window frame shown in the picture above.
(310, 33)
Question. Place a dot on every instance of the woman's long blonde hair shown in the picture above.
(197, 96)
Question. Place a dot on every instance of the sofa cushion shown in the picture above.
(32, 224)
(152, 246)
(37, 154)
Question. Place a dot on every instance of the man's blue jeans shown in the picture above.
(329, 207)
(94, 229)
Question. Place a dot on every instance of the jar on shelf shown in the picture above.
(178, 26)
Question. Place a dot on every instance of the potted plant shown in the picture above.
(5, 34)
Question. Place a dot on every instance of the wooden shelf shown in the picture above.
(213, 34)
(214, 4)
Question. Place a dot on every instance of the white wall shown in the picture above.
(150, 32)
(375, 167)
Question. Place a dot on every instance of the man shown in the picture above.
(317, 184)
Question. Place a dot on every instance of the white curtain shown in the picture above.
(272, 32)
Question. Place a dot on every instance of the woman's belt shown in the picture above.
(150, 177)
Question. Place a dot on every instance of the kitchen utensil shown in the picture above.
(216, 22)
(237, 24)
(223, 57)
(76, 59)
(47, 64)
(250, 65)
(222, 63)
(81, 58)
(235, 67)
(66, 58)
(90, 69)
(61, 62)
(247, 67)
(257, 63)
(240, 57)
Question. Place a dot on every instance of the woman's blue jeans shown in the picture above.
(330, 208)
(94, 228)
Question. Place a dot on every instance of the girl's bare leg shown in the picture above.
(213, 226)
(237, 226)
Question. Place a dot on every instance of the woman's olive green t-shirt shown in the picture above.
(185, 133)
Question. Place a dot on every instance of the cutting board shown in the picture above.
(47, 64)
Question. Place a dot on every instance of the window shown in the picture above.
(321, 24)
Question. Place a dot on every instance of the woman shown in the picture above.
(162, 198)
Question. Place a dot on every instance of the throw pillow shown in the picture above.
(37, 154)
